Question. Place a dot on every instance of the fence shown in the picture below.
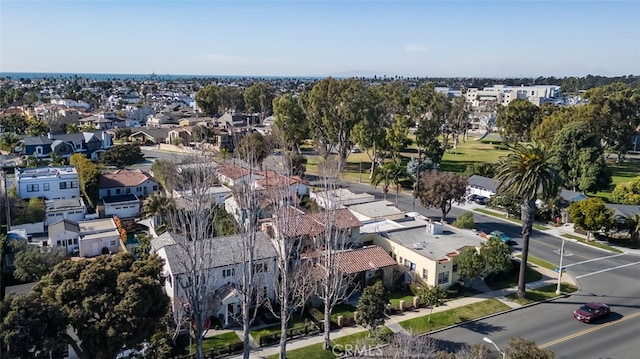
(221, 352)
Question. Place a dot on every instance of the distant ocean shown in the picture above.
(133, 77)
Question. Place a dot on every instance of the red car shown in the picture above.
(591, 311)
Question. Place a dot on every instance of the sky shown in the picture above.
(320, 38)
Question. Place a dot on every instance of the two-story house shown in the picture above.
(64, 145)
(47, 182)
(124, 181)
(220, 259)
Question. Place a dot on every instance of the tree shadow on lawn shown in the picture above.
(481, 327)
(449, 345)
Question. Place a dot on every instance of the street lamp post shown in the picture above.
(560, 268)
(488, 340)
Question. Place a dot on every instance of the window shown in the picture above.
(33, 187)
(63, 185)
(73, 184)
(228, 272)
(118, 190)
(138, 189)
(455, 268)
(443, 277)
(155, 188)
(425, 274)
(45, 186)
(108, 192)
(260, 267)
(127, 190)
(112, 243)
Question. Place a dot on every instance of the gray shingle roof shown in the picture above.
(483, 182)
(217, 251)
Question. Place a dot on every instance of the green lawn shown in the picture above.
(396, 297)
(542, 294)
(218, 341)
(511, 280)
(540, 262)
(294, 323)
(621, 172)
(315, 351)
(452, 316)
(345, 310)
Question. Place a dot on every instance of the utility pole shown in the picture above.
(560, 268)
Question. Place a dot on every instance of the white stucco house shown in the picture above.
(47, 182)
(123, 206)
(64, 234)
(223, 263)
(98, 236)
(58, 209)
(339, 198)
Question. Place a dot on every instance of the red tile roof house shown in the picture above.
(126, 181)
(271, 179)
(364, 263)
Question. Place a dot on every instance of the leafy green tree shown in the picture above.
(517, 120)
(592, 215)
(165, 172)
(579, 158)
(231, 99)
(441, 189)
(123, 155)
(259, 98)
(290, 121)
(432, 297)
(110, 301)
(495, 256)
(465, 220)
(524, 174)
(627, 192)
(14, 123)
(469, 265)
(480, 169)
(9, 141)
(333, 108)
(208, 100)
(29, 325)
(371, 306)
(88, 176)
(552, 123)
(632, 225)
(36, 127)
(123, 133)
(33, 262)
(507, 203)
(457, 121)
(224, 224)
(397, 136)
(254, 148)
(520, 348)
(612, 112)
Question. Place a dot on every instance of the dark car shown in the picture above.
(589, 312)
(480, 200)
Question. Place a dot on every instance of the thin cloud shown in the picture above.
(415, 48)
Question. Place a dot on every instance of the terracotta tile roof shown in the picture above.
(313, 224)
(232, 171)
(123, 178)
(364, 259)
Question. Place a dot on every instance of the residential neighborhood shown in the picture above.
(232, 210)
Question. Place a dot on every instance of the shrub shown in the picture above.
(465, 220)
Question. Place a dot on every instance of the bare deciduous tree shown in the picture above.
(333, 287)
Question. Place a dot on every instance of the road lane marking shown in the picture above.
(587, 331)
(606, 270)
(594, 259)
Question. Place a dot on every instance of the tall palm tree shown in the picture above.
(524, 174)
(632, 224)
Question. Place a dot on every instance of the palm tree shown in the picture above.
(9, 141)
(632, 224)
(388, 174)
(524, 173)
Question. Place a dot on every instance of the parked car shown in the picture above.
(503, 237)
(589, 312)
(481, 200)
